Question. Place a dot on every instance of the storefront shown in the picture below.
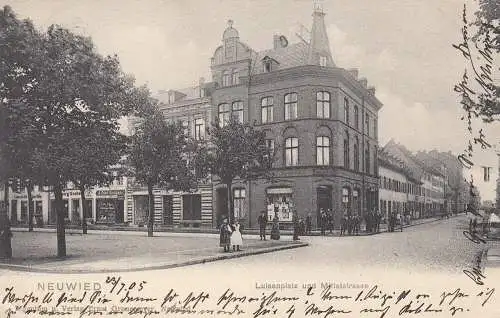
(280, 203)
(141, 208)
(110, 206)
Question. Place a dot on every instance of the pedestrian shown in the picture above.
(357, 222)
(330, 221)
(262, 220)
(296, 228)
(401, 221)
(343, 224)
(225, 235)
(275, 230)
(302, 227)
(323, 221)
(236, 238)
(308, 224)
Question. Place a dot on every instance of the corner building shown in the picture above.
(320, 119)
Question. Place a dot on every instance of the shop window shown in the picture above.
(291, 102)
(191, 207)
(239, 196)
(280, 204)
(24, 211)
(323, 105)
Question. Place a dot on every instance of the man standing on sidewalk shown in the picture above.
(308, 224)
(262, 220)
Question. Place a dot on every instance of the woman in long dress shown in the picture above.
(236, 238)
(225, 235)
(275, 230)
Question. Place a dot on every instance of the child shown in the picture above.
(236, 238)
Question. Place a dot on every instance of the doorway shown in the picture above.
(323, 202)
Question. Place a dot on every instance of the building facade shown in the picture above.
(399, 190)
(319, 119)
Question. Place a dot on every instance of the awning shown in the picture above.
(279, 191)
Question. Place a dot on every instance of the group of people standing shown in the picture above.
(275, 228)
(395, 219)
(230, 234)
(351, 223)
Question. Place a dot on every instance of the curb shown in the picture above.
(34, 269)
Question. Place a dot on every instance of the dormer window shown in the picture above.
(171, 97)
(267, 66)
(322, 61)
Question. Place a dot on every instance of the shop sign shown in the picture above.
(111, 193)
(25, 196)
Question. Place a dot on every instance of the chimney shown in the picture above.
(354, 72)
(363, 81)
(276, 41)
(371, 89)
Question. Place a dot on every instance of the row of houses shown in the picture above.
(321, 121)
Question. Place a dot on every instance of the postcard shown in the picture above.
(251, 158)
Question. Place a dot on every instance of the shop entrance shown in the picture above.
(324, 201)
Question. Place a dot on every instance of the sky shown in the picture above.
(403, 47)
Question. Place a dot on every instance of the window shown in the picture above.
(291, 151)
(367, 159)
(356, 153)
(235, 78)
(346, 151)
(346, 110)
(375, 127)
(267, 109)
(322, 61)
(226, 78)
(356, 116)
(185, 126)
(322, 151)
(239, 203)
(199, 129)
(191, 207)
(270, 145)
(323, 105)
(290, 106)
(267, 66)
(238, 111)
(171, 97)
(223, 114)
(345, 196)
(367, 124)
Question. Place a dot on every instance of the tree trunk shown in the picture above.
(151, 210)
(230, 216)
(29, 190)
(82, 197)
(6, 200)
(61, 235)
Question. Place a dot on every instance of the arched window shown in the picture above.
(346, 150)
(223, 114)
(356, 116)
(323, 105)
(226, 78)
(322, 151)
(290, 106)
(235, 77)
(291, 151)
(356, 153)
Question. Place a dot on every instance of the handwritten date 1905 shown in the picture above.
(117, 285)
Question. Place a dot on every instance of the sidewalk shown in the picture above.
(206, 232)
(114, 252)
